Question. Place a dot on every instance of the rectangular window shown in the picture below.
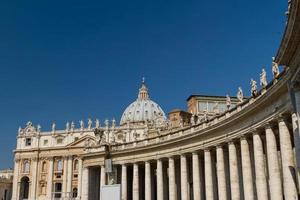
(59, 141)
(28, 142)
(45, 142)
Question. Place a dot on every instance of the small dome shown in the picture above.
(143, 109)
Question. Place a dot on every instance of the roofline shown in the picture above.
(211, 96)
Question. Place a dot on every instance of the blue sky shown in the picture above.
(71, 60)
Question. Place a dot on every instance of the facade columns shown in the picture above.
(160, 180)
(172, 181)
(69, 175)
(49, 179)
(259, 162)
(209, 187)
(222, 187)
(124, 182)
(288, 165)
(15, 180)
(102, 176)
(184, 178)
(147, 181)
(85, 184)
(247, 171)
(33, 169)
(65, 177)
(234, 173)
(296, 124)
(273, 165)
(196, 176)
(79, 177)
(135, 182)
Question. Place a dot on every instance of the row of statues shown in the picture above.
(71, 126)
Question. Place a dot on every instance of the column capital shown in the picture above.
(195, 153)
(207, 150)
(231, 142)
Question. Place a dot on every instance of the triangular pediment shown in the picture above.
(83, 142)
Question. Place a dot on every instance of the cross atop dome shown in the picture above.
(143, 91)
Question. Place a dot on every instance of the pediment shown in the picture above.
(85, 141)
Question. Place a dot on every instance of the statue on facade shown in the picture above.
(19, 130)
(181, 123)
(263, 79)
(192, 120)
(253, 85)
(240, 95)
(106, 123)
(90, 123)
(67, 126)
(113, 124)
(72, 126)
(81, 124)
(275, 68)
(228, 102)
(39, 128)
(97, 123)
(53, 127)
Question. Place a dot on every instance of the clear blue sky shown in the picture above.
(70, 60)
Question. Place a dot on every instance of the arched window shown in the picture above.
(44, 166)
(59, 165)
(26, 168)
(76, 165)
(75, 192)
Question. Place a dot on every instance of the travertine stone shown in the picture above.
(124, 182)
(209, 187)
(102, 176)
(65, 177)
(273, 165)
(159, 176)
(147, 181)
(15, 179)
(260, 168)
(135, 182)
(85, 184)
(222, 188)
(172, 183)
(234, 174)
(184, 178)
(196, 177)
(288, 165)
(34, 168)
(70, 172)
(247, 171)
(50, 179)
(79, 177)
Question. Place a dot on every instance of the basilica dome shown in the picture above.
(143, 110)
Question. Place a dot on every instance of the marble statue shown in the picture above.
(253, 85)
(90, 123)
(275, 68)
(228, 101)
(72, 126)
(240, 95)
(81, 124)
(181, 123)
(39, 128)
(97, 122)
(19, 130)
(113, 123)
(263, 78)
(53, 127)
(193, 120)
(67, 126)
(106, 123)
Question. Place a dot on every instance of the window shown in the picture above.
(45, 142)
(75, 192)
(59, 165)
(59, 141)
(28, 142)
(44, 166)
(76, 138)
(26, 168)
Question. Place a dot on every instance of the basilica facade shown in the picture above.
(220, 148)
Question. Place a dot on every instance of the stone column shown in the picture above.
(65, 177)
(124, 182)
(273, 165)
(196, 177)
(135, 182)
(102, 176)
(260, 168)
(147, 180)
(287, 158)
(50, 179)
(247, 170)
(222, 187)
(234, 173)
(209, 186)
(79, 177)
(15, 180)
(184, 178)
(85, 184)
(69, 176)
(296, 134)
(34, 168)
(172, 181)
(160, 180)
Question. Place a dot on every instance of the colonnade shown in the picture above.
(257, 165)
